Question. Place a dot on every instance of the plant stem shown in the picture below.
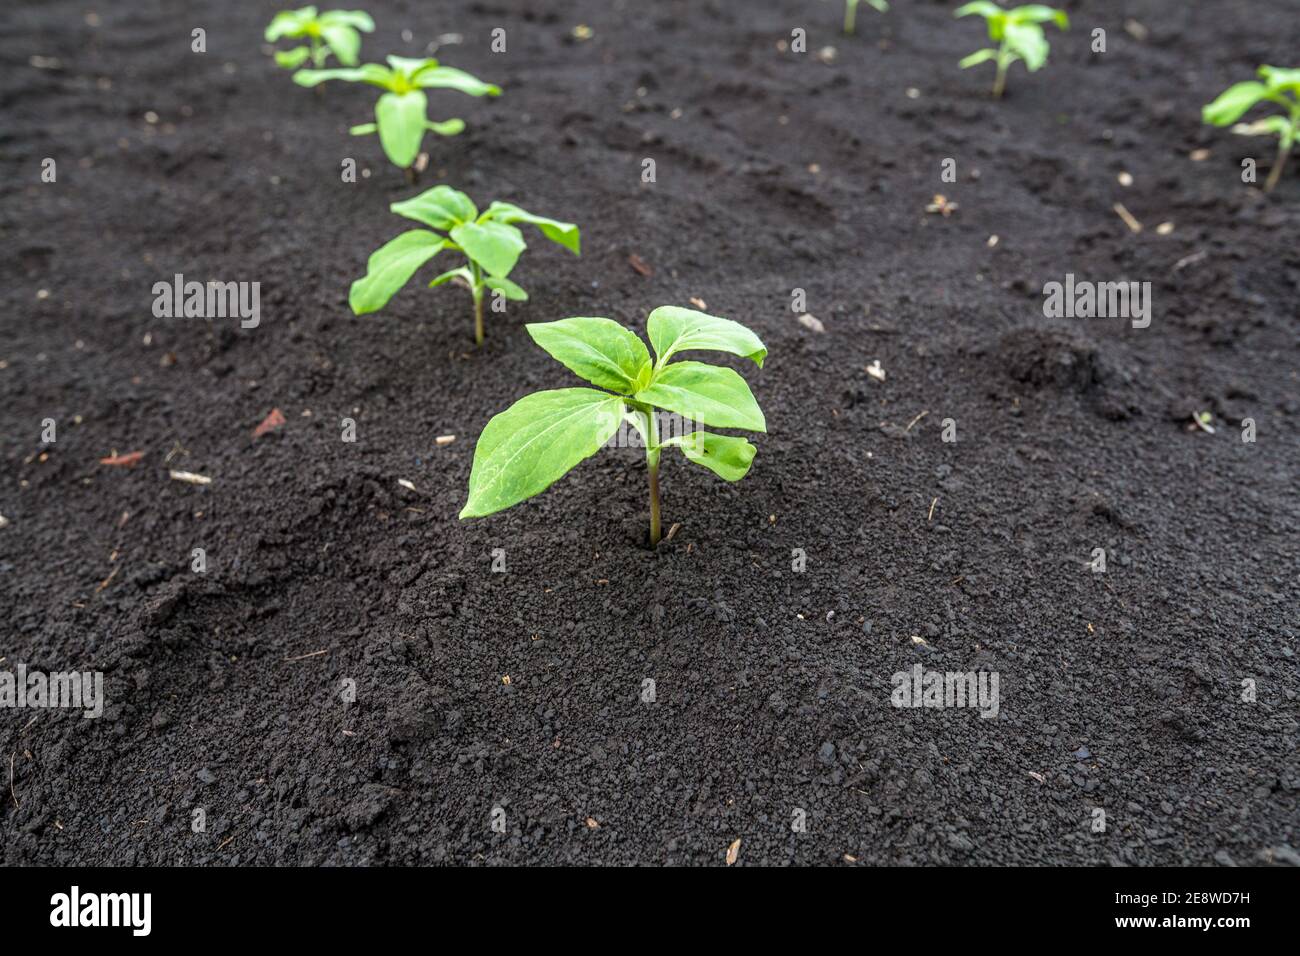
(1000, 82)
(477, 290)
(1275, 174)
(652, 470)
(850, 16)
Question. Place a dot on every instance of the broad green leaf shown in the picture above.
(439, 208)
(979, 56)
(599, 350)
(565, 233)
(535, 442)
(450, 127)
(1039, 13)
(1232, 103)
(493, 245)
(1027, 40)
(672, 330)
(446, 77)
(371, 73)
(461, 273)
(289, 23)
(390, 266)
(726, 456)
(401, 125)
(507, 288)
(292, 59)
(708, 394)
(351, 18)
(344, 41)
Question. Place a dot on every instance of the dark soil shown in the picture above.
(523, 690)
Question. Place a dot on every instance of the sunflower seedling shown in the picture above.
(540, 438)
(401, 112)
(1281, 87)
(489, 241)
(334, 31)
(1018, 33)
(851, 12)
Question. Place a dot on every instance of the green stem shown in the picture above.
(652, 469)
(1275, 174)
(1000, 82)
(476, 288)
(850, 16)
(316, 58)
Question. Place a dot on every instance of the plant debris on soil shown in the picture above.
(357, 677)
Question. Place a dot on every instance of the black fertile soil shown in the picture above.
(521, 699)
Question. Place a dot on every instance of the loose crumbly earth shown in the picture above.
(1119, 691)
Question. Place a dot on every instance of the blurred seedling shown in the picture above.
(334, 31)
(1279, 87)
(1018, 33)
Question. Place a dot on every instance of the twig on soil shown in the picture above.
(1186, 261)
(12, 792)
(303, 657)
(108, 580)
(1128, 217)
(932, 504)
(915, 420)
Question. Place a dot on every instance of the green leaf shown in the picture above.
(401, 125)
(463, 273)
(599, 350)
(708, 394)
(507, 288)
(450, 127)
(408, 66)
(289, 23)
(724, 455)
(446, 77)
(1279, 79)
(365, 129)
(1039, 13)
(1028, 41)
(344, 41)
(1232, 103)
(493, 245)
(390, 266)
(880, 5)
(352, 18)
(439, 208)
(979, 56)
(292, 59)
(1278, 126)
(983, 8)
(672, 330)
(371, 73)
(535, 442)
(565, 233)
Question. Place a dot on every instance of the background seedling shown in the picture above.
(1281, 87)
(1018, 34)
(488, 240)
(541, 437)
(401, 112)
(334, 31)
(851, 12)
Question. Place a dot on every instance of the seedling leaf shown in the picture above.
(598, 350)
(450, 78)
(564, 233)
(535, 442)
(495, 246)
(725, 455)
(709, 394)
(1233, 103)
(400, 117)
(507, 288)
(438, 208)
(672, 330)
(390, 266)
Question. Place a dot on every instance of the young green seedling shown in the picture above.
(401, 112)
(851, 12)
(541, 437)
(1281, 87)
(334, 31)
(1018, 34)
(489, 242)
